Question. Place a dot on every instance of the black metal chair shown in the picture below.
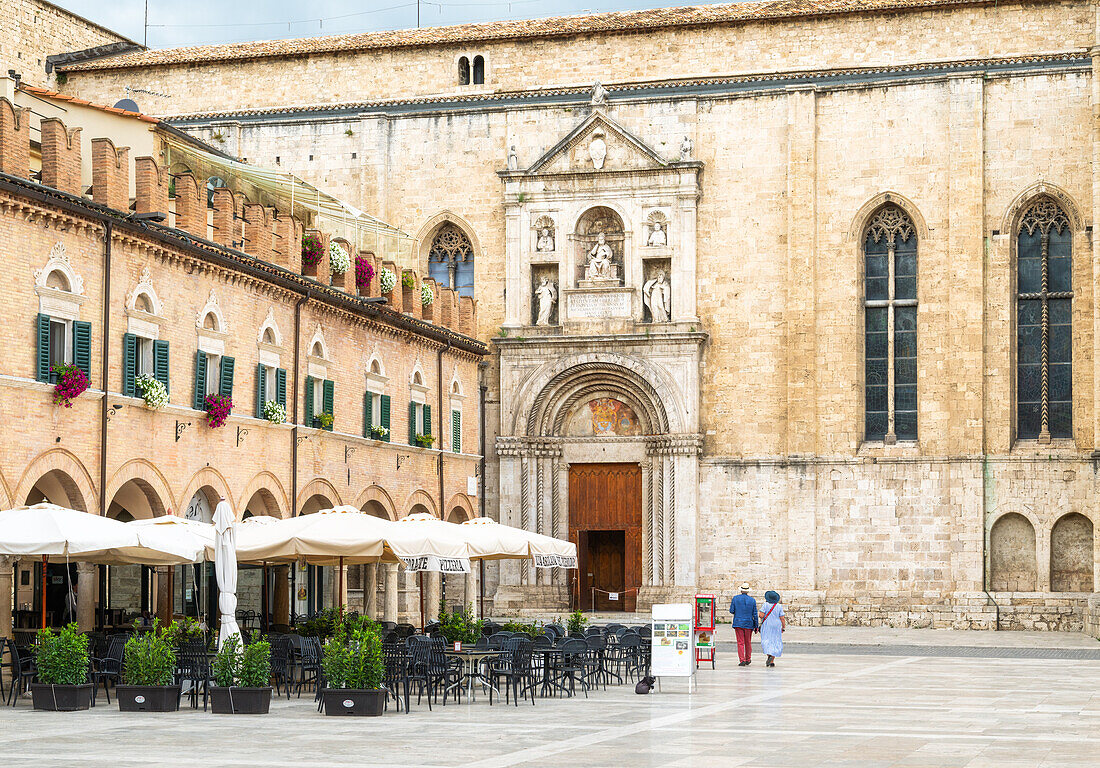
(309, 663)
(22, 668)
(418, 669)
(108, 668)
(515, 668)
(397, 672)
(281, 660)
(496, 642)
(570, 667)
(193, 666)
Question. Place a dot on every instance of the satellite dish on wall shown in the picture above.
(127, 104)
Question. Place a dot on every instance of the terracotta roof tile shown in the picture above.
(84, 103)
(724, 13)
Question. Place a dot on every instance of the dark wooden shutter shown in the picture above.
(199, 402)
(308, 421)
(280, 386)
(385, 417)
(42, 368)
(225, 384)
(160, 362)
(82, 346)
(412, 423)
(261, 382)
(328, 393)
(427, 419)
(456, 431)
(366, 414)
(129, 364)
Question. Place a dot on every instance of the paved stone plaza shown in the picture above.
(951, 702)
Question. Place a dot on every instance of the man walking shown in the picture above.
(745, 621)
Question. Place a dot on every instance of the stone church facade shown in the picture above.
(797, 293)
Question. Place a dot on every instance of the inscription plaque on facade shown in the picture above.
(593, 304)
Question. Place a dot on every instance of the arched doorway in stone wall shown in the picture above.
(599, 455)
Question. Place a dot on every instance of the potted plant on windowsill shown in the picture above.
(148, 666)
(425, 441)
(323, 421)
(62, 659)
(378, 432)
(353, 665)
(242, 678)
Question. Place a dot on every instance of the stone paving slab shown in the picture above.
(811, 711)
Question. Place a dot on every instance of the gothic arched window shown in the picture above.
(890, 305)
(1044, 296)
(451, 260)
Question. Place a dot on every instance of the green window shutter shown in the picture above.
(280, 386)
(225, 385)
(199, 402)
(261, 382)
(412, 423)
(385, 416)
(129, 364)
(366, 414)
(308, 421)
(82, 346)
(42, 368)
(427, 419)
(456, 431)
(329, 396)
(160, 362)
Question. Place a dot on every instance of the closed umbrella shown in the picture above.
(225, 569)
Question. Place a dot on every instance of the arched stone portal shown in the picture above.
(602, 454)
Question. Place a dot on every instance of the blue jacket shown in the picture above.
(745, 615)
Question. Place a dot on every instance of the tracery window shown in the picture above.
(451, 260)
(890, 306)
(1044, 296)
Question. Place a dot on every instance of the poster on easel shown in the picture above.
(673, 638)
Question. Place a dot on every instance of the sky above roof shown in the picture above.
(174, 23)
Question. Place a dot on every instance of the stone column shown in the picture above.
(516, 280)
(469, 596)
(370, 590)
(389, 609)
(281, 602)
(7, 593)
(433, 591)
(339, 585)
(87, 585)
(165, 601)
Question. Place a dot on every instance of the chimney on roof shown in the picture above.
(61, 156)
(15, 140)
(110, 174)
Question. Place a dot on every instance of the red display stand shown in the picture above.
(705, 617)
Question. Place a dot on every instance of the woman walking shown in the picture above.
(772, 624)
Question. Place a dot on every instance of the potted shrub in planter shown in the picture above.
(62, 659)
(242, 678)
(353, 665)
(148, 666)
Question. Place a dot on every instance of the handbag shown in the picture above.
(766, 615)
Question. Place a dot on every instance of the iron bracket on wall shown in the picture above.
(180, 426)
(241, 432)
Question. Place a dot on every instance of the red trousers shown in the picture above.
(744, 643)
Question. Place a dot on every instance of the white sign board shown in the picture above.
(673, 640)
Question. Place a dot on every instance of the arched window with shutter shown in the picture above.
(1044, 303)
(890, 308)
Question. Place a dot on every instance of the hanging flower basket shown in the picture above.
(218, 409)
(386, 280)
(338, 259)
(364, 272)
(425, 441)
(408, 280)
(378, 432)
(426, 295)
(152, 391)
(274, 412)
(311, 251)
(71, 383)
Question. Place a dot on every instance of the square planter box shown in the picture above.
(61, 698)
(354, 701)
(148, 698)
(240, 701)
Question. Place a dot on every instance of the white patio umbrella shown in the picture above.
(491, 540)
(194, 541)
(225, 569)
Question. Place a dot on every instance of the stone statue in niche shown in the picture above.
(686, 146)
(599, 261)
(597, 150)
(546, 294)
(513, 158)
(545, 242)
(657, 295)
(657, 237)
